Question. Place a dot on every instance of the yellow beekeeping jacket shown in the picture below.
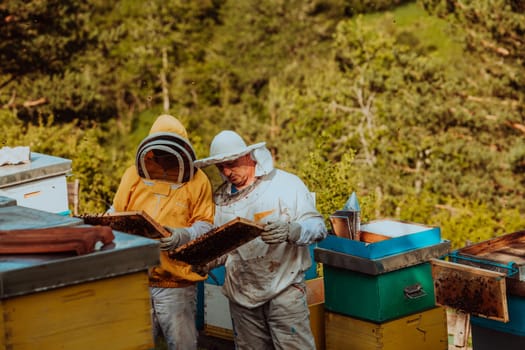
(170, 204)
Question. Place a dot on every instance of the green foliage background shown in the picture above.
(417, 106)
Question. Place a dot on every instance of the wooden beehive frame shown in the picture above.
(217, 242)
(470, 289)
(506, 249)
(132, 222)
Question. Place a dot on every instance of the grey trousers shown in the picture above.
(173, 316)
(281, 323)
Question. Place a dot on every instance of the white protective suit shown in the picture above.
(257, 272)
(265, 281)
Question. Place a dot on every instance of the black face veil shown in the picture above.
(167, 157)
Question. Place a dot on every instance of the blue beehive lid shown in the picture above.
(397, 237)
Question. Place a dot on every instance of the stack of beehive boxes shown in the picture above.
(98, 300)
(487, 281)
(379, 291)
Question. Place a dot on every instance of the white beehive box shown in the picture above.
(217, 318)
(40, 184)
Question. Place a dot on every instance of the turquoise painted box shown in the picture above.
(379, 298)
(384, 237)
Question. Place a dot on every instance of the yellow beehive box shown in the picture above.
(97, 300)
(424, 330)
(111, 313)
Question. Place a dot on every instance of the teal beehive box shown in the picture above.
(381, 297)
(381, 289)
(385, 273)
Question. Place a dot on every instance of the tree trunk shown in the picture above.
(164, 81)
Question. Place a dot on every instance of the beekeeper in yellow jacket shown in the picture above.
(166, 185)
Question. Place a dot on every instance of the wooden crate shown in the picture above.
(111, 313)
(425, 330)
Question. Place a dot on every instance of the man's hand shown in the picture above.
(280, 231)
(179, 236)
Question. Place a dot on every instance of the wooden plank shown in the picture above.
(132, 222)
(217, 242)
(470, 289)
(504, 249)
(370, 237)
(461, 329)
(218, 332)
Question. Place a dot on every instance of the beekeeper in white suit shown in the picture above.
(264, 279)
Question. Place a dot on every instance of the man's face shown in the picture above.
(240, 172)
(162, 166)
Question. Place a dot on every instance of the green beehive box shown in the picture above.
(382, 297)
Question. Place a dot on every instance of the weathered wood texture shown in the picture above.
(509, 248)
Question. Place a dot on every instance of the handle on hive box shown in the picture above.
(414, 291)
